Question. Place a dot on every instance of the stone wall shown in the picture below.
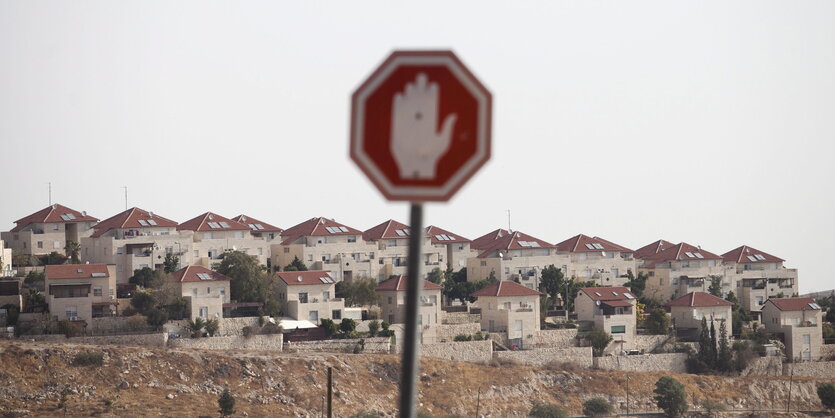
(49, 338)
(556, 338)
(377, 345)
(764, 366)
(649, 342)
(828, 351)
(673, 362)
(234, 326)
(271, 342)
(472, 351)
(580, 356)
(449, 331)
(820, 369)
(158, 339)
(461, 318)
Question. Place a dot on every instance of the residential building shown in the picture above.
(48, 230)
(324, 244)
(80, 292)
(596, 259)
(515, 255)
(5, 260)
(681, 269)
(758, 276)
(511, 310)
(652, 249)
(10, 293)
(487, 240)
(393, 301)
(392, 241)
(213, 235)
(135, 239)
(205, 290)
(687, 312)
(456, 247)
(260, 229)
(798, 320)
(611, 309)
(309, 295)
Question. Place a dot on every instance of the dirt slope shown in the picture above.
(136, 381)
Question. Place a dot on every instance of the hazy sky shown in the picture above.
(706, 122)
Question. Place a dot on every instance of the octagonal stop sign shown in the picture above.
(420, 125)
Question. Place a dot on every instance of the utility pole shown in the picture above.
(50, 193)
(126, 196)
(330, 392)
(508, 221)
(478, 402)
(791, 379)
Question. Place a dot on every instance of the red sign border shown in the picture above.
(392, 193)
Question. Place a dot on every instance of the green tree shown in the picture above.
(715, 288)
(328, 325)
(171, 263)
(637, 284)
(552, 282)
(73, 249)
(830, 315)
(143, 302)
(704, 342)
(435, 276)
(32, 299)
(573, 287)
(295, 265)
(249, 280)
(826, 393)
(724, 359)
(670, 396)
(597, 407)
(148, 278)
(547, 410)
(53, 258)
(373, 328)
(658, 322)
(212, 326)
(196, 327)
(599, 340)
(156, 317)
(714, 355)
(347, 325)
(34, 279)
(358, 292)
(12, 314)
(226, 403)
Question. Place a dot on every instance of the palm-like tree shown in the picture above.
(72, 249)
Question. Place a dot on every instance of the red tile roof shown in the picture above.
(194, 273)
(505, 288)
(607, 293)
(486, 241)
(616, 303)
(681, 251)
(310, 277)
(389, 229)
(130, 219)
(699, 300)
(653, 248)
(514, 241)
(442, 236)
(53, 214)
(76, 271)
(317, 227)
(211, 222)
(794, 304)
(255, 225)
(398, 284)
(586, 244)
(747, 255)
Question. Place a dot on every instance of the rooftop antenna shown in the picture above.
(50, 193)
(126, 196)
(508, 221)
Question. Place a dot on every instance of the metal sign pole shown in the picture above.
(409, 363)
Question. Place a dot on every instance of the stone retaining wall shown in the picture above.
(556, 338)
(377, 345)
(271, 342)
(472, 351)
(49, 338)
(820, 369)
(649, 342)
(449, 331)
(673, 362)
(580, 356)
(828, 351)
(461, 318)
(158, 339)
(764, 366)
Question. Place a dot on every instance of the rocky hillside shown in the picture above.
(134, 381)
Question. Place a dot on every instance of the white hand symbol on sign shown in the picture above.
(415, 144)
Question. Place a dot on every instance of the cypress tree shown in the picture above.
(724, 363)
(713, 343)
(704, 343)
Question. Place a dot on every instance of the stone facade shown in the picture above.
(460, 318)
(820, 369)
(673, 362)
(376, 345)
(472, 351)
(580, 356)
(270, 342)
(449, 331)
(556, 338)
(827, 352)
(649, 342)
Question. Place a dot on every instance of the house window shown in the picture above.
(120, 268)
(807, 339)
(196, 253)
(72, 312)
(222, 291)
(40, 244)
(352, 238)
(310, 257)
(326, 296)
(313, 316)
(618, 329)
(651, 274)
(389, 300)
(208, 290)
(391, 319)
(336, 314)
(271, 235)
(483, 263)
(286, 250)
(303, 297)
(194, 291)
(56, 245)
(97, 291)
(204, 311)
(326, 258)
